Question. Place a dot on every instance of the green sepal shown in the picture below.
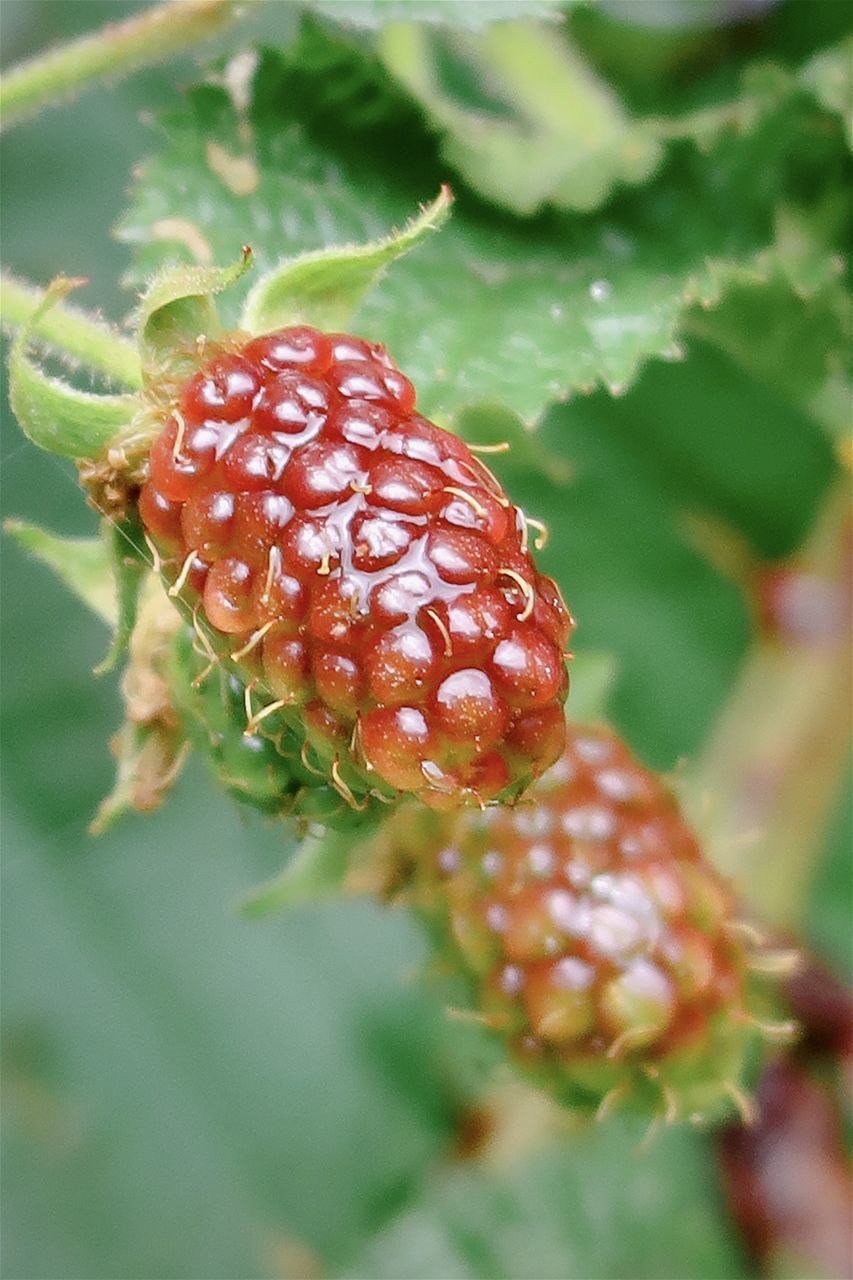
(73, 335)
(53, 414)
(151, 745)
(130, 563)
(176, 310)
(317, 871)
(592, 677)
(324, 288)
(83, 564)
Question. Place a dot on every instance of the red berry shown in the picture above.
(228, 596)
(414, 490)
(323, 472)
(363, 563)
(461, 557)
(259, 522)
(180, 457)
(161, 517)
(255, 464)
(339, 682)
(279, 597)
(207, 522)
(397, 742)
(286, 665)
(292, 404)
(527, 668)
(223, 392)
(400, 666)
(468, 709)
(295, 348)
(379, 542)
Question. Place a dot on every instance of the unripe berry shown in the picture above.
(599, 944)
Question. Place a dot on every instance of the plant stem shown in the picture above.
(70, 332)
(166, 29)
(779, 750)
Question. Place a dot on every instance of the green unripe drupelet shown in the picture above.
(264, 768)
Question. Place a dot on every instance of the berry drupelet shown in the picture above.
(367, 572)
(600, 945)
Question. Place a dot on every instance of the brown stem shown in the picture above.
(776, 757)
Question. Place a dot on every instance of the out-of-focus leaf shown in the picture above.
(593, 676)
(526, 119)
(83, 564)
(564, 1214)
(829, 76)
(166, 1062)
(496, 429)
(802, 240)
(695, 436)
(798, 348)
(317, 870)
(466, 15)
(489, 309)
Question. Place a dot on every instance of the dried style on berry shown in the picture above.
(361, 568)
(600, 945)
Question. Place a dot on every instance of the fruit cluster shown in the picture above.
(600, 944)
(366, 569)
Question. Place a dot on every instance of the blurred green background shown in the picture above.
(190, 1095)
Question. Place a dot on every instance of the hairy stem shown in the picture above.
(51, 77)
(778, 753)
(70, 332)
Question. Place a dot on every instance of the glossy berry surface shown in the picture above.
(367, 569)
(600, 944)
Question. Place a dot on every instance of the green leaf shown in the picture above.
(316, 871)
(177, 308)
(52, 413)
(563, 1213)
(130, 562)
(496, 428)
(132, 1004)
(805, 352)
(803, 244)
(325, 287)
(592, 681)
(490, 310)
(82, 564)
(526, 119)
(829, 76)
